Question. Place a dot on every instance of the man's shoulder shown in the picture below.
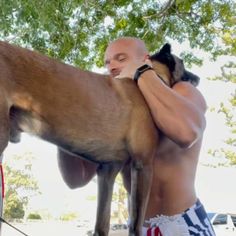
(191, 93)
(184, 84)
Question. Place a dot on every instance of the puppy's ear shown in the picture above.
(163, 54)
(165, 57)
(166, 49)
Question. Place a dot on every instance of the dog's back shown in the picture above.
(87, 113)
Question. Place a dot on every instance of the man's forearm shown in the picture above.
(174, 112)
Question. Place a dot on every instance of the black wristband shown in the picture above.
(140, 71)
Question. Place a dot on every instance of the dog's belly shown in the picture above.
(98, 151)
(95, 147)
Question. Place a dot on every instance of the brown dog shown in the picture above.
(93, 116)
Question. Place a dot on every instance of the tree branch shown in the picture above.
(163, 11)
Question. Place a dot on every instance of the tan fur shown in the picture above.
(163, 72)
(91, 115)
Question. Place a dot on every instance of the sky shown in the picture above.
(214, 186)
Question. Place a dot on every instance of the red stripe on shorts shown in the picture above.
(149, 232)
(154, 232)
(157, 232)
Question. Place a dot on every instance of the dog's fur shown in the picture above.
(174, 69)
(98, 118)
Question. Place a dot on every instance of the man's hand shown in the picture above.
(129, 70)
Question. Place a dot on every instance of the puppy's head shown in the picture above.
(165, 63)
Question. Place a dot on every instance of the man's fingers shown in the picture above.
(130, 70)
(148, 62)
(123, 76)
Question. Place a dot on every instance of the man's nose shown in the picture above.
(112, 65)
(113, 68)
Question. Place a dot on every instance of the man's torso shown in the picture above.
(173, 181)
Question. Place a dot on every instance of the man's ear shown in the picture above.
(147, 57)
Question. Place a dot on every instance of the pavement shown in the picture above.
(51, 228)
(118, 233)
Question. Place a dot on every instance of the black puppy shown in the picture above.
(175, 66)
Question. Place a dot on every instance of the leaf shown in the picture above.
(63, 29)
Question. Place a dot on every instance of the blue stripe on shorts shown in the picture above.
(197, 220)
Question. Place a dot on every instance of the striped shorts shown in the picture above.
(192, 222)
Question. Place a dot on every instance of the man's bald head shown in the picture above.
(132, 43)
(123, 51)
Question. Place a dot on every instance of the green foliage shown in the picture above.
(14, 208)
(230, 155)
(78, 31)
(120, 199)
(34, 216)
(69, 216)
(19, 186)
(229, 111)
(91, 198)
(228, 74)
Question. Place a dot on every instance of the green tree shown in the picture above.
(77, 31)
(34, 216)
(19, 186)
(120, 199)
(69, 216)
(228, 109)
(14, 208)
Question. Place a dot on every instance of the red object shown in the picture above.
(2, 179)
(154, 232)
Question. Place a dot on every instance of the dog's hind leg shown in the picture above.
(141, 180)
(143, 143)
(106, 177)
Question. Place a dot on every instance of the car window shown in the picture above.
(220, 219)
(210, 215)
(233, 217)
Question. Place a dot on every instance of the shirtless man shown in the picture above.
(179, 114)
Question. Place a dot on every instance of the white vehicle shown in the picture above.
(224, 224)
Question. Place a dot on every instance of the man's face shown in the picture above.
(120, 54)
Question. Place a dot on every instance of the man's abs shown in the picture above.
(173, 182)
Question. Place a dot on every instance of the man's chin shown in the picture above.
(114, 74)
